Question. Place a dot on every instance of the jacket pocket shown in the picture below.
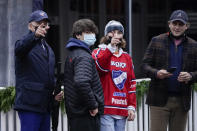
(35, 94)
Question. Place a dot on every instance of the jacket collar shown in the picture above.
(184, 37)
(72, 42)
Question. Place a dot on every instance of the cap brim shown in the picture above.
(179, 20)
(43, 18)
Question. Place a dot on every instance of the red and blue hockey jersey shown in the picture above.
(117, 78)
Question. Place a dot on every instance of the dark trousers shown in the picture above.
(84, 123)
(31, 121)
(171, 116)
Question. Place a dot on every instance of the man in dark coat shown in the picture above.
(171, 62)
(34, 69)
(84, 99)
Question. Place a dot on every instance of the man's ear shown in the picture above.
(188, 25)
(30, 27)
(78, 36)
(169, 23)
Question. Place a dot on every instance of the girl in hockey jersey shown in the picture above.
(117, 76)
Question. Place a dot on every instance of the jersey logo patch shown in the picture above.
(119, 78)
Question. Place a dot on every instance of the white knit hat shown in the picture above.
(113, 25)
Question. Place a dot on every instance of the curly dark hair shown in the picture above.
(83, 25)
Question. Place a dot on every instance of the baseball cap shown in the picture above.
(113, 25)
(179, 15)
(38, 15)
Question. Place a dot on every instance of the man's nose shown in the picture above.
(177, 26)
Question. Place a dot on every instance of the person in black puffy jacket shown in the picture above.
(84, 98)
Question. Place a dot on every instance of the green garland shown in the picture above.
(194, 87)
(141, 89)
(7, 98)
(7, 95)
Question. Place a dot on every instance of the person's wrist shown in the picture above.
(111, 48)
(131, 108)
(36, 34)
(190, 76)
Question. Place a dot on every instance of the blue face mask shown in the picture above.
(89, 39)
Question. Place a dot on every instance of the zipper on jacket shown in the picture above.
(176, 48)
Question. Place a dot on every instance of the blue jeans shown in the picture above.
(108, 123)
(31, 121)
